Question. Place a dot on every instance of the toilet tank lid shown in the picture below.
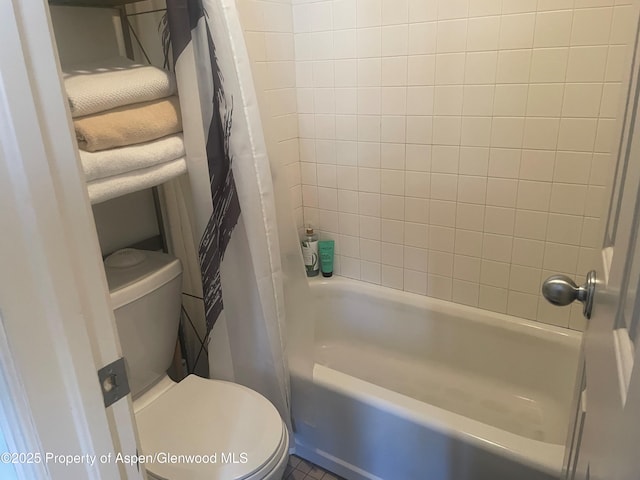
(132, 274)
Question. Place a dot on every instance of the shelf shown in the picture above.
(92, 3)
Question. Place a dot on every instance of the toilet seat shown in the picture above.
(239, 431)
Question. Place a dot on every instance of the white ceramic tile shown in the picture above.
(447, 100)
(395, 11)
(393, 100)
(369, 204)
(582, 100)
(545, 100)
(472, 189)
(483, 33)
(444, 186)
(368, 42)
(442, 212)
(444, 159)
(452, 9)
(369, 180)
(419, 129)
(516, 31)
(392, 182)
(537, 165)
(499, 220)
(591, 26)
(527, 252)
(502, 192)
(416, 210)
(392, 207)
(393, 129)
(417, 184)
(369, 13)
(504, 162)
(560, 258)
(522, 305)
(586, 64)
(422, 38)
(533, 195)
(392, 277)
(347, 201)
(344, 14)
(495, 274)
(423, 10)
(466, 293)
(470, 216)
(492, 298)
(507, 132)
(447, 130)
(476, 131)
(439, 286)
(441, 238)
(450, 68)
(395, 40)
(392, 155)
(553, 29)
(420, 100)
(468, 243)
(415, 258)
(564, 229)
(549, 65)
(415, 235)
(510, 100)
(474, 160)
(524, 279)
(481, 68)
(394, 71)
(541, 133)
(480, 8)
(451, 36)
(415, 282)
(392, 231)
(577, 134)
(513, 66)
(421, 69)
(572, 167)
(478, 100)
(568, 198)
(466, 268)
(497, 247)
(392, 254)
(418, 157)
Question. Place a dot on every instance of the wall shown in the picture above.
(268, 33)
(458, 148)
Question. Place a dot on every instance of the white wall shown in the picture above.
(458, 148)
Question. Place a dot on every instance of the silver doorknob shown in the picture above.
(560, 290)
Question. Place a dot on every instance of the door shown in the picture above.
(606, 435)
(56, 324)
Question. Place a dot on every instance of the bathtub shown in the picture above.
(407, 387)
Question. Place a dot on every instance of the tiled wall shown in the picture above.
(458, 148)
(268, 32)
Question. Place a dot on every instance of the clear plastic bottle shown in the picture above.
(310, 252)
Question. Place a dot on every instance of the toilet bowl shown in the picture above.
(198, 428)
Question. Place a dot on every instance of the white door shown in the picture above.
(605, 444)
(56, 324)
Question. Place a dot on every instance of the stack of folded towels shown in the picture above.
(128, 126)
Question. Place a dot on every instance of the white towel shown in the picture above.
(112, 83)
(111, 187)
(116, 161)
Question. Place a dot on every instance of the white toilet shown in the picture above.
(237, 433)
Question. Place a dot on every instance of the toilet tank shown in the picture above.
(145, 292)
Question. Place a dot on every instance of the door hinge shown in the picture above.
(113, 382)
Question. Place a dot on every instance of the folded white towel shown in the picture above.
(116, 161)
(111, 187)
(112, 83)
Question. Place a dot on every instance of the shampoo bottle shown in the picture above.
(310, 252)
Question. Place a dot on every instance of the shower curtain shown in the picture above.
(230, 212)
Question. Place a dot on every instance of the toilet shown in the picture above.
(199, 428)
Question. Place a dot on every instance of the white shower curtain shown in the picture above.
(247, 342)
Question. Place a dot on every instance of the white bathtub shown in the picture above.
(408, 388)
